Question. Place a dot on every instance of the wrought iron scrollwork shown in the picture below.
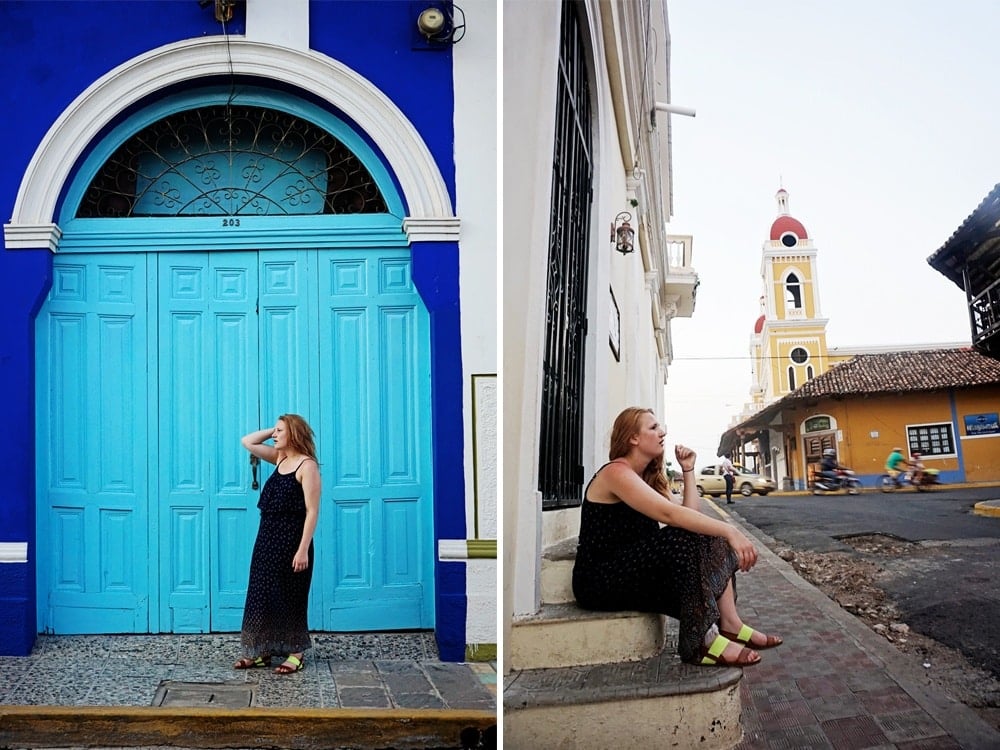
(231, 161)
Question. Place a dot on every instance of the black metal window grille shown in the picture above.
(228, 160)
(561, 452)
(931, 439)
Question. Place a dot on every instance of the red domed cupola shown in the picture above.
(785, 228)
(759, 325)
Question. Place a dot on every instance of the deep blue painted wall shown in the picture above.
(435, 274)
(51, 51)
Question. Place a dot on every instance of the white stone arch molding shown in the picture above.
(32, 224)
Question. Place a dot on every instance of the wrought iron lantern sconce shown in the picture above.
(622, 233)
(223, 8)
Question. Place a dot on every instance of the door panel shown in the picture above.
(288, 348)
(234, 408)
(208, 366)
(92, 448)
(373, 338)
(289, 360)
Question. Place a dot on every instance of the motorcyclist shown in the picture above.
(917, 464)
(828, 469)
(896, 465)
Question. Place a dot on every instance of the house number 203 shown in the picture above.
(230, 222)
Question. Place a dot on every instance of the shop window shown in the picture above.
(931, 440)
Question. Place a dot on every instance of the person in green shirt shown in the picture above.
(896, 465)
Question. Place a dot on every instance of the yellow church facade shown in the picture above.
(789, 343)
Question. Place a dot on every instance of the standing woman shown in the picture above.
(686, 569)
(274, 617)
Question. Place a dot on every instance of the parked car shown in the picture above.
(711, 482)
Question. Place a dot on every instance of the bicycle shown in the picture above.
(890, 483)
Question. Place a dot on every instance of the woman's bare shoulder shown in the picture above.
(309, 464)
(609, 477)
(617, 471)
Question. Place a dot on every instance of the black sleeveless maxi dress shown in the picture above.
(274, 616)
(625, 561)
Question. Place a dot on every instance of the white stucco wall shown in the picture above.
(530, 60)
(476, 122)
(531, 31)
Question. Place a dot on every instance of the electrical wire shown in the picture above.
(645, 71)
(715, 357)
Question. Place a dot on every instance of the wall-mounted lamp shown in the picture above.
(436, 25)
(673, 109)
(431, 22)
(622, 233)
(223, 8)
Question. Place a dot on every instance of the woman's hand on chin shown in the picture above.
(685, 457)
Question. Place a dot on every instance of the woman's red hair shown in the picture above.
(627, 426)
(300, 435)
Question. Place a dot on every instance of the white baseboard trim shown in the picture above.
(13, 552)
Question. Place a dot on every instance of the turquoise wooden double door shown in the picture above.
(150, 368)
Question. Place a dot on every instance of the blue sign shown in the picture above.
(982, 424)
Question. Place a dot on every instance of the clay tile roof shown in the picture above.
(903, 372)
(890, 372)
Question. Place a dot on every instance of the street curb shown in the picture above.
(874, 490)
(958, 720)
(987, 508)
(291, 728)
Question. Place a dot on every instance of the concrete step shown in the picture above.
(563, 635)
(557, 572)
(655, 702)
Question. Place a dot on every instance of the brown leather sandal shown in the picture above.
(253, 662)
(712, 655)
(746, 633)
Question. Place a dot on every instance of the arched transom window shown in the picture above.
(229, 160)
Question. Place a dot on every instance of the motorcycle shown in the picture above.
(844, 480)
(928, 478)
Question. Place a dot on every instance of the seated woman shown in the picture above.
(626, 561)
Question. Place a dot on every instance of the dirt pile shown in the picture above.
(851, 580)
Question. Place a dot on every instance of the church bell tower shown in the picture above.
(788, 346)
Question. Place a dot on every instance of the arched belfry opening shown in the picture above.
(793, 292)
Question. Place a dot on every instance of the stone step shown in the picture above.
(557, 572)
(654, 702)
(563, 635)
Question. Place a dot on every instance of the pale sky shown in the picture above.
(881, 120)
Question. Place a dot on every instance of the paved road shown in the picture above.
(946, 589)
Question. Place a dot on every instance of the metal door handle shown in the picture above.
(254, 461)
